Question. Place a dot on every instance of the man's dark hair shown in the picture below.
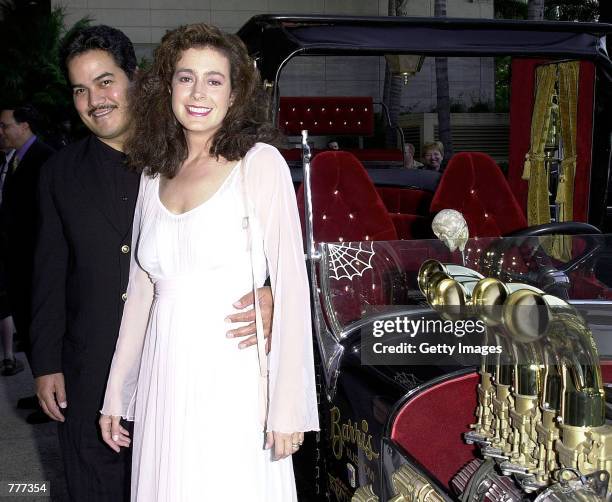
(103, 38)
(27, 113)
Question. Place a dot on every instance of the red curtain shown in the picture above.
(522, 96)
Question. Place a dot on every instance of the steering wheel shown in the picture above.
(548, 277)
(564, 228)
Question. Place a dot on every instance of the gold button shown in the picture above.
(125, 249)
(124, 296)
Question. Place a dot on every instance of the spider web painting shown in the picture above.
(350, 259)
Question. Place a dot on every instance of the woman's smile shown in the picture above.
(198, 111)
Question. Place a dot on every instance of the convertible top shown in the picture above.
(274, 39)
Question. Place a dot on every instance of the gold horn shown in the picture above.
(530, 316)
(446, 284)
(489, 295)
(426, 271)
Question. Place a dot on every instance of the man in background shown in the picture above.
(409, 161)
(10, 365)
(19, 215)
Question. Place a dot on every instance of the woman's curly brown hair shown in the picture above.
(157, 143)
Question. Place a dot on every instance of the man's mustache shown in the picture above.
(98, 108)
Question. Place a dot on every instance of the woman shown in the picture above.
(209, 184)
(433, 155)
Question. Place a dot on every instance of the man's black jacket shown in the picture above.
(81, 266)
(19, 224)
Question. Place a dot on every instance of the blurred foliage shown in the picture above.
(29, 62)
(457, 106)
(502, 83)
(481, 107)
(144, 63)
(554, 10)
(510, 9)
(572, 10)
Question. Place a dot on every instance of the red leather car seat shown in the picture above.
(347, 207)
(474, 185)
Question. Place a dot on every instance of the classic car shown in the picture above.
(475, 366)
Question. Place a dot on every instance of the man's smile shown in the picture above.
(101, 112)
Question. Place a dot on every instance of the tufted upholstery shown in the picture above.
(335, 115)
(405, 200)
(389, 157)
(345, 203)
(473, 184)
(412, 226)
(347, 208)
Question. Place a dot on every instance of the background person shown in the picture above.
(10, 365)
(19, 216)
(433, 156)
(409, 161)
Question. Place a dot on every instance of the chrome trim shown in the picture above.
(275, 93)
(589, 302)
(355, 325)
(329, 348)
(308, 209)
(336, 326)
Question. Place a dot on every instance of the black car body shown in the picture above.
(394, 425)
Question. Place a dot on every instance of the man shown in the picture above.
(19, 214)
(87, 200)
(10, 364)
(6, 157)
(409, 161)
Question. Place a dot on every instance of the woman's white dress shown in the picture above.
(197, 401)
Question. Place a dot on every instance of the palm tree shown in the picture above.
(29, 60)
(392, 91)
(605, 16)
(442, 91)
(535, 10)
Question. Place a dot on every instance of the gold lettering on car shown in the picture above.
(369, 473)
(339, 489)
(350, 432)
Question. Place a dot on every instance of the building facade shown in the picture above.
(146, 21)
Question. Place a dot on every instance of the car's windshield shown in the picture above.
(361, 280)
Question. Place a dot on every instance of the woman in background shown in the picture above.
(433, 155)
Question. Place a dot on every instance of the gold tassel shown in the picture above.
(527, 168)
(561, 197)
(564, 190)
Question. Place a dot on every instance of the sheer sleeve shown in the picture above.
(123, 377)
(292, 403)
